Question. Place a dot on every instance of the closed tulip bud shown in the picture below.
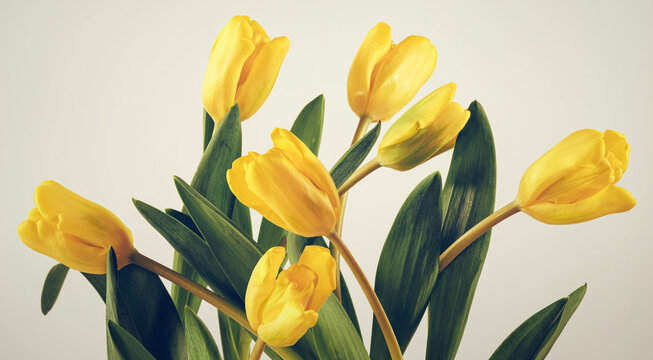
(243, 66)
(74, 231)
(288, 185)
(428, 128)
(575, 180)
(281, 308)
(384, 77)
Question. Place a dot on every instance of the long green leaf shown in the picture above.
(126, 345)
(308, 128)
(344, 167)
(139, 303)
(99, 283)
(534, 338)
(467, 198)
(408, 265)
(236, 253)
(201, 345)
(209, 180)
(177, 230)
(52, 287)
(229, 336)
(335, 336)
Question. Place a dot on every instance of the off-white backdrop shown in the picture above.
(104, 97)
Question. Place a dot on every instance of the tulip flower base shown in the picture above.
(281, 292)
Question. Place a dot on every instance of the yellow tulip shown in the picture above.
(384, 77)
(74, 231)
(282, 308)
(574, 181)
(288, 185)
(428, 128)
(243, 66)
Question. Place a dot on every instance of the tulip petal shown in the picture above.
(307, 163)
(401, 73)
(419, 116)
(579, 184)
(375, 45)
(304, 207)
(259, 75)
(320, 261)
(289, 326)
(617, 152)
(262, 283)
(230, 51)
(583, 148)
(237, 181)
(612, 199)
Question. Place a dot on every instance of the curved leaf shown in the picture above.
(126, 345)
(408, 265)
(534, 338)
(201, 345)
(52, 287)
(467, 198)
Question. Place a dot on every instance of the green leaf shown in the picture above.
(308, 128)
(201, 345)
(99, 283)
(534, 338)
(209, 180)
(126, 345)
(348, 304)
(467, 198)
(177, 231)
(335, 336)
(52, 287)
(229, 335)
(209, 125)
(235, 252)
(139, 303)
(353, 158)
(408, 265)
(346, 165)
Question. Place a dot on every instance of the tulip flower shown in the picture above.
(428, 128)
(288, 185)
(575, 180)
(74, 231)
(281, 308)
(243, 66)
(384, 77)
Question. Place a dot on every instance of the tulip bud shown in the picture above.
(384, 77)
(243, 66)
(282, 308)
(574, 181)
(74, 231)
(288, 185)
(428, 128)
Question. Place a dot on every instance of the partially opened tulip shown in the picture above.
(243, 67)
(384, 77)
(288, 185)
(281, 308)
(575, 180)
(428, 128)
(74, 231)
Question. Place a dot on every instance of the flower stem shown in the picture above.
(363, 124)
(191, 286)
(257, 351)
(359, 175)
(475, 232)
(379, 313)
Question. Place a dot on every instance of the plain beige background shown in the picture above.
(105, 97)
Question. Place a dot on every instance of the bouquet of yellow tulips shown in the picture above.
(281, 292)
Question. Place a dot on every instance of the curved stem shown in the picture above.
(257, 351)
(191, 286)
(359, 175)
(377, 308)
(475, 232)
(363, 124)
